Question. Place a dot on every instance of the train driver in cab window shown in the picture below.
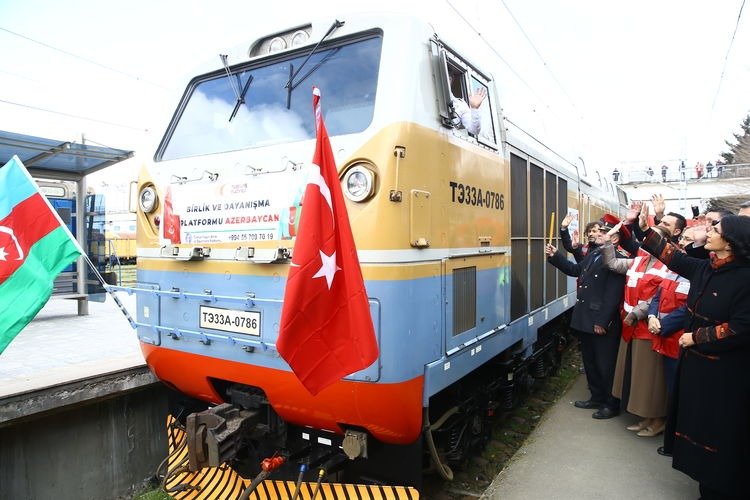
(466, 111)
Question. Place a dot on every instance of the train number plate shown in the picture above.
(230, 320)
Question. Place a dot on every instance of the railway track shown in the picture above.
(509, 431)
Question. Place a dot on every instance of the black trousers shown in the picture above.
(708, 493)
(599, 353)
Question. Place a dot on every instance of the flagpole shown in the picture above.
(109, 291)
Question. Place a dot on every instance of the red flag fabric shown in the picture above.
(326, 329)
(171, 220)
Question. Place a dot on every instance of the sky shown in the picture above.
(648, 82)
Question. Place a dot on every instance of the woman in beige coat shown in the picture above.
(639, 373)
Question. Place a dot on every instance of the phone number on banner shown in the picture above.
(256, 236)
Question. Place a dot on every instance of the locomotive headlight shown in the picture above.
(147, 199)
(276, 44)
(359, 183)
(299, 38)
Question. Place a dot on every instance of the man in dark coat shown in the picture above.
(596, 321)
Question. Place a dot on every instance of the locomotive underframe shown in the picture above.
(460, 418)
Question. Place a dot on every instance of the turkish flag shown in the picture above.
(171, 220)
(326, 329)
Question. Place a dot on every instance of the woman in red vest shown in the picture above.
(667, 314)
(639, 373)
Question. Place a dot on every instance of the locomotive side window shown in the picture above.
(458, 81)
(487, 132)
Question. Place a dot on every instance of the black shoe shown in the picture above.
(605, 412)
(588, 405)
(661, 451)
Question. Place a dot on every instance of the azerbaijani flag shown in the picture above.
(35, 246)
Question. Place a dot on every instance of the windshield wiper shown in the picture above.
(240, 95)
(289, 84)
(307, 75)
(315, 68)
(235, 87)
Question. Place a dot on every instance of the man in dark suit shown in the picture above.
(596, 321)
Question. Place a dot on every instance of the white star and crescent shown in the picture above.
(316, 178)
(328, 267)
(3, 253)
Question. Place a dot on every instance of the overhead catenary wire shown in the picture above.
(489, 45)
(507, 64)
(82, 58)
(726, 56)
(70, 115)
(539, 55)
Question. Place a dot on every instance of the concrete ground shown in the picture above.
(59, 346)
(573, 456)
(81, 415)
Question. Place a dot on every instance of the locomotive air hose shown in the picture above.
(442, 468)
(321, 474)
(298, 486)
(258, 479)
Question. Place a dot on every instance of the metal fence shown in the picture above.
(676, 174)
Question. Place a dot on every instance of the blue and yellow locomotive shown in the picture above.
(450, 229)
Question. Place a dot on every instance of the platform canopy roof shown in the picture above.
(58, 159)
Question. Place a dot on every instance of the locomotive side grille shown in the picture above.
(464, 299)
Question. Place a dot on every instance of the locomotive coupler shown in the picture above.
(355, 444)
(214, 436)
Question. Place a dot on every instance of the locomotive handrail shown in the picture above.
(476, 339)
(481, 251)
(212, 176)
(206, 338)
(205, 297)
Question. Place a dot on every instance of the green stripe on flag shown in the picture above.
(26, 291)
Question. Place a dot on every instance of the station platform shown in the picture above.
(573, 456)
(61, 358)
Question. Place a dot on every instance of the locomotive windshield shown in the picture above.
(272, 112)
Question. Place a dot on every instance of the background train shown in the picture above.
(121, 245)
(449, 227)
(62, 196)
